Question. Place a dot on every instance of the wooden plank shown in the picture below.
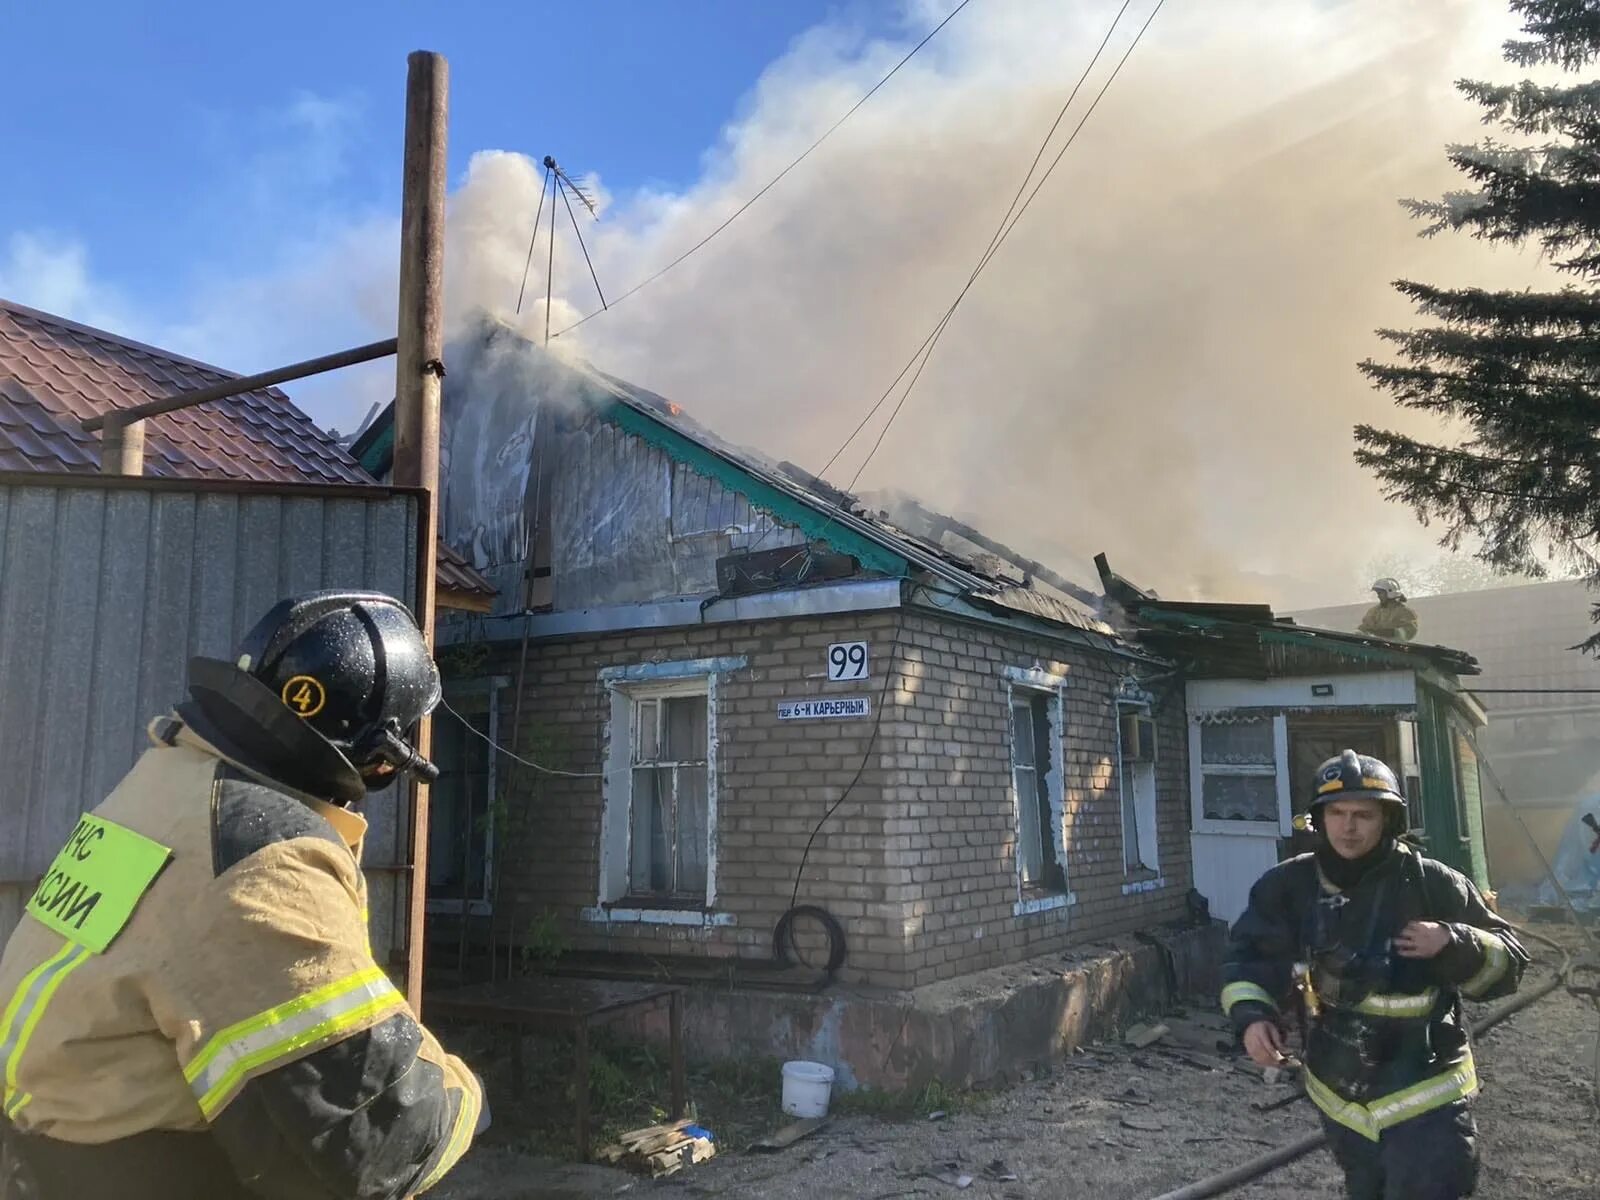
(1140, 1036)
(788, 1135)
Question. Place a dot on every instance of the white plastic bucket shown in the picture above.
(806, 1086)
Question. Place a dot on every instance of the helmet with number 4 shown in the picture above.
(351, 666)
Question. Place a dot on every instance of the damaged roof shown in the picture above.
(1005, 582)
(1249, 641)
(988, 586)
(55, 372)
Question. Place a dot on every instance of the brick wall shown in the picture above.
(917, 864)
(774, 780)
(953, 824)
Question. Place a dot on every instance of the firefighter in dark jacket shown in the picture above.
(1381, 944)
(191, 1007)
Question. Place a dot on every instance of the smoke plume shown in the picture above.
(1159, 363)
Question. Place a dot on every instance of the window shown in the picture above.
(1239, 770)
(667, 826)
(1469, 789)
(1035, 782)
(461, 805)
(1411, 775)
(658, 822)
(1136, 735)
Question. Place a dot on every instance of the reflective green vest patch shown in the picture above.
(91, 889)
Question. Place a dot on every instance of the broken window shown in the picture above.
(1239, 770)
(1137, 736)
(1033, 738)
(668, 838)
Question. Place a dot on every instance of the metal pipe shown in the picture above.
(244, 383)
(419, 371)
(122, 445)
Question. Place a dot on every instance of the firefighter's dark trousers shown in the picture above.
(1431, 1157)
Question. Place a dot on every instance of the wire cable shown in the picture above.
(994, 238)
(944, 321)
(866, 757)
(560, 183)
(740, 211)
(533, 237)
(527, 762)
(1007, 223)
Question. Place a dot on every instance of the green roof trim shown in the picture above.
(376, 458)
(1355, 650)
(813, 523)
(1290, 636)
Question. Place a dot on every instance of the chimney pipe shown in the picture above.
(122, 445)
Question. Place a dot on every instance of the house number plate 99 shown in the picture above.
(846, 661)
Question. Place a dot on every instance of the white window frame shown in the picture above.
(481, 905)
(1145, 810)
(1201, 823)
(1408, 731)
(1034, 682)
(624, 687)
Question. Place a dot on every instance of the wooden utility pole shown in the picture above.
(419, 371)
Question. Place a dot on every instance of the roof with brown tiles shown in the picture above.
(55, 372)
(456, 573)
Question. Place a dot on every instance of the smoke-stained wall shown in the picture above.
(623, 523)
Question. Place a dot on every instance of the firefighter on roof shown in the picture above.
(1391, 617)
(1381, 944)
(191, 1006)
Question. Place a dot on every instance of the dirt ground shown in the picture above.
(1115, 1124)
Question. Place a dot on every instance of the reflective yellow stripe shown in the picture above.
(1396, 1004)
(27, 1008)
(1370, 1120)
(1235, 993)
(1496, 962)
(460, 1136)
(284, 1032)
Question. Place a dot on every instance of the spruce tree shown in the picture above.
(1516, 373)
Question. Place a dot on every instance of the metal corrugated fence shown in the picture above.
(109, 585)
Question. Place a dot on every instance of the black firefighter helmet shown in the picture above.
(349, 668)
(1353, 776)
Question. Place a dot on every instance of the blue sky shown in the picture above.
(173, 146)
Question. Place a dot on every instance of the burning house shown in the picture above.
(745, 690)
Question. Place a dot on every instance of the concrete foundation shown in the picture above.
(977, 1030)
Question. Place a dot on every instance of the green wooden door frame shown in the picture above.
(1435, 748)
(1451, 803)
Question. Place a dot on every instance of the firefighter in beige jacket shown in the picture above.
(191, 1005)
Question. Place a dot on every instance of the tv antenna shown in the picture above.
(557, 181)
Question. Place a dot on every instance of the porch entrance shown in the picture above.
(1312, 741)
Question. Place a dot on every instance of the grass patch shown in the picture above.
(909, 1104)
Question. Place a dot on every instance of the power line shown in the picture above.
(527, 762)
(740, 211)
(1002, 231)
(927, 348)
(1043, 145)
